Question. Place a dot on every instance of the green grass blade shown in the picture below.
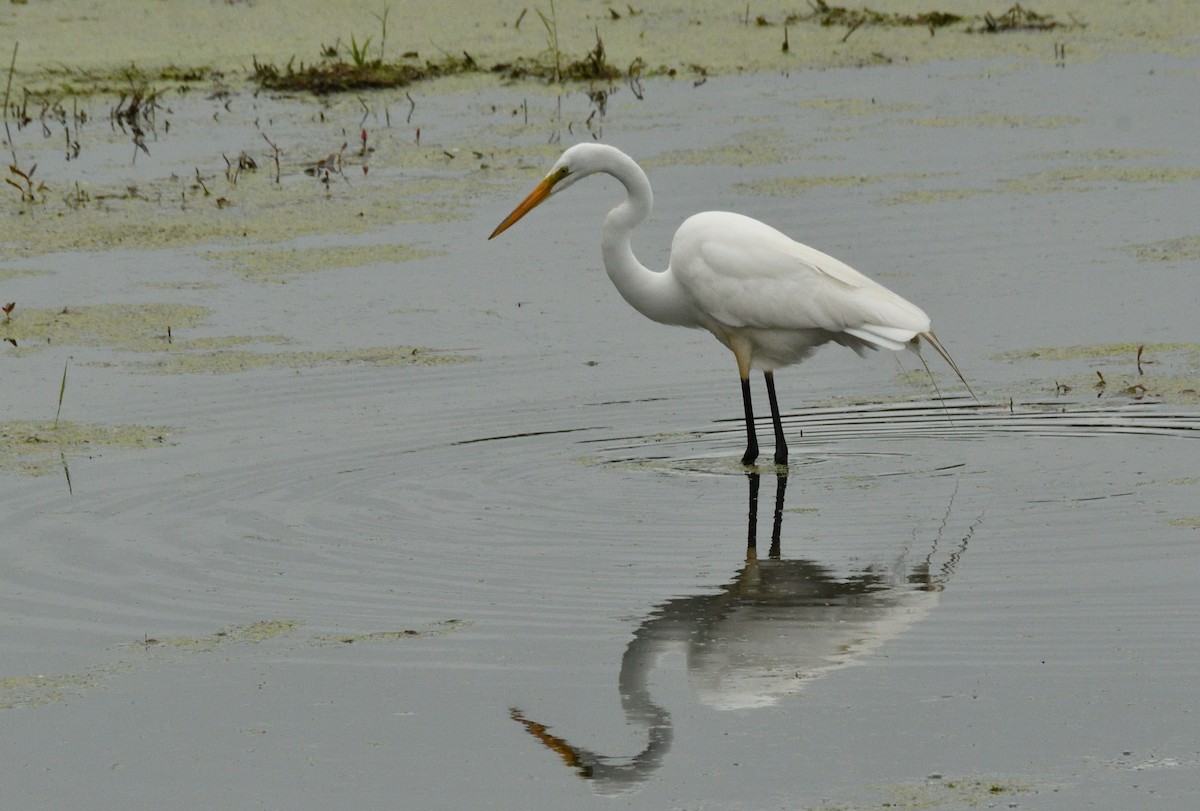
(62, 390)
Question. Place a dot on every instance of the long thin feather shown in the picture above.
(941, 350)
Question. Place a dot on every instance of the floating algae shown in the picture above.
(171, 212)
(791, 186)
(36, 690)
(251, 634)
(280, 264)
(1080, 178)
(154, 328)
(1055, 181)
(1174, 389)
(226, 361)
(37, 448)
(996, 120)
(1119, 350)
(936, 196)
(226, 37)
(1169, 372)
(13, 273)
(939, 793)
(1098, 155)
(136, 327)
(759, 148)
(432, 629)
(854, 106)
(1182, 249)
(714, 466)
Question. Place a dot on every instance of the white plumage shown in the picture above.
(768, 298)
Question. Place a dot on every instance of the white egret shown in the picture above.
(769, 299)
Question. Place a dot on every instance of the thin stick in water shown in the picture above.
(7, 90)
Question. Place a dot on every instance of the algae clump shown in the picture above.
(37, 448)
(226, 361)
(279, 264)
(136, 327)
(251, 634)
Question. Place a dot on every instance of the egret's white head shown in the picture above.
(572, 166)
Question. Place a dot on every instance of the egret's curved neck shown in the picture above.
(655, 295)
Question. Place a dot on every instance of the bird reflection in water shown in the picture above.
(774, 628)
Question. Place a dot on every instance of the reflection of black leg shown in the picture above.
(752, 520)
(777, 526)
(780, 442)
(751, 439)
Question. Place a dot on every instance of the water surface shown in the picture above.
(521, 579)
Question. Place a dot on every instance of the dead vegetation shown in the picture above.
(349, 67)
(334, 73)
(1016, 18)
(365, 64)
(136, 113)
(1019, 18)
(339, 76)
(826, 15)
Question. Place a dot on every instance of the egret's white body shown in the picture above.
(768, 298)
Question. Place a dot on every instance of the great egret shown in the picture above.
(768, 298)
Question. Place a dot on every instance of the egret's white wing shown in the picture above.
(744, 273)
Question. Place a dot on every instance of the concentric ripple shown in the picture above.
(348, 504)
(820, 432)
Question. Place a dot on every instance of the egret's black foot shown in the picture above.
(750, 455)
(781, 458)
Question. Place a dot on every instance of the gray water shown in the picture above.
(523, 580)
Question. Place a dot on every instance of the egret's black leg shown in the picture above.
(751, 439)
(777, 525)
(780, 441)
(752, 519)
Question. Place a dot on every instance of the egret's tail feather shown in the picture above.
(941, 350)
(882, 337)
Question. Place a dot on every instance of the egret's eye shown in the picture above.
(555, 178)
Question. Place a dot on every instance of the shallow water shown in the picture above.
(522, 579)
